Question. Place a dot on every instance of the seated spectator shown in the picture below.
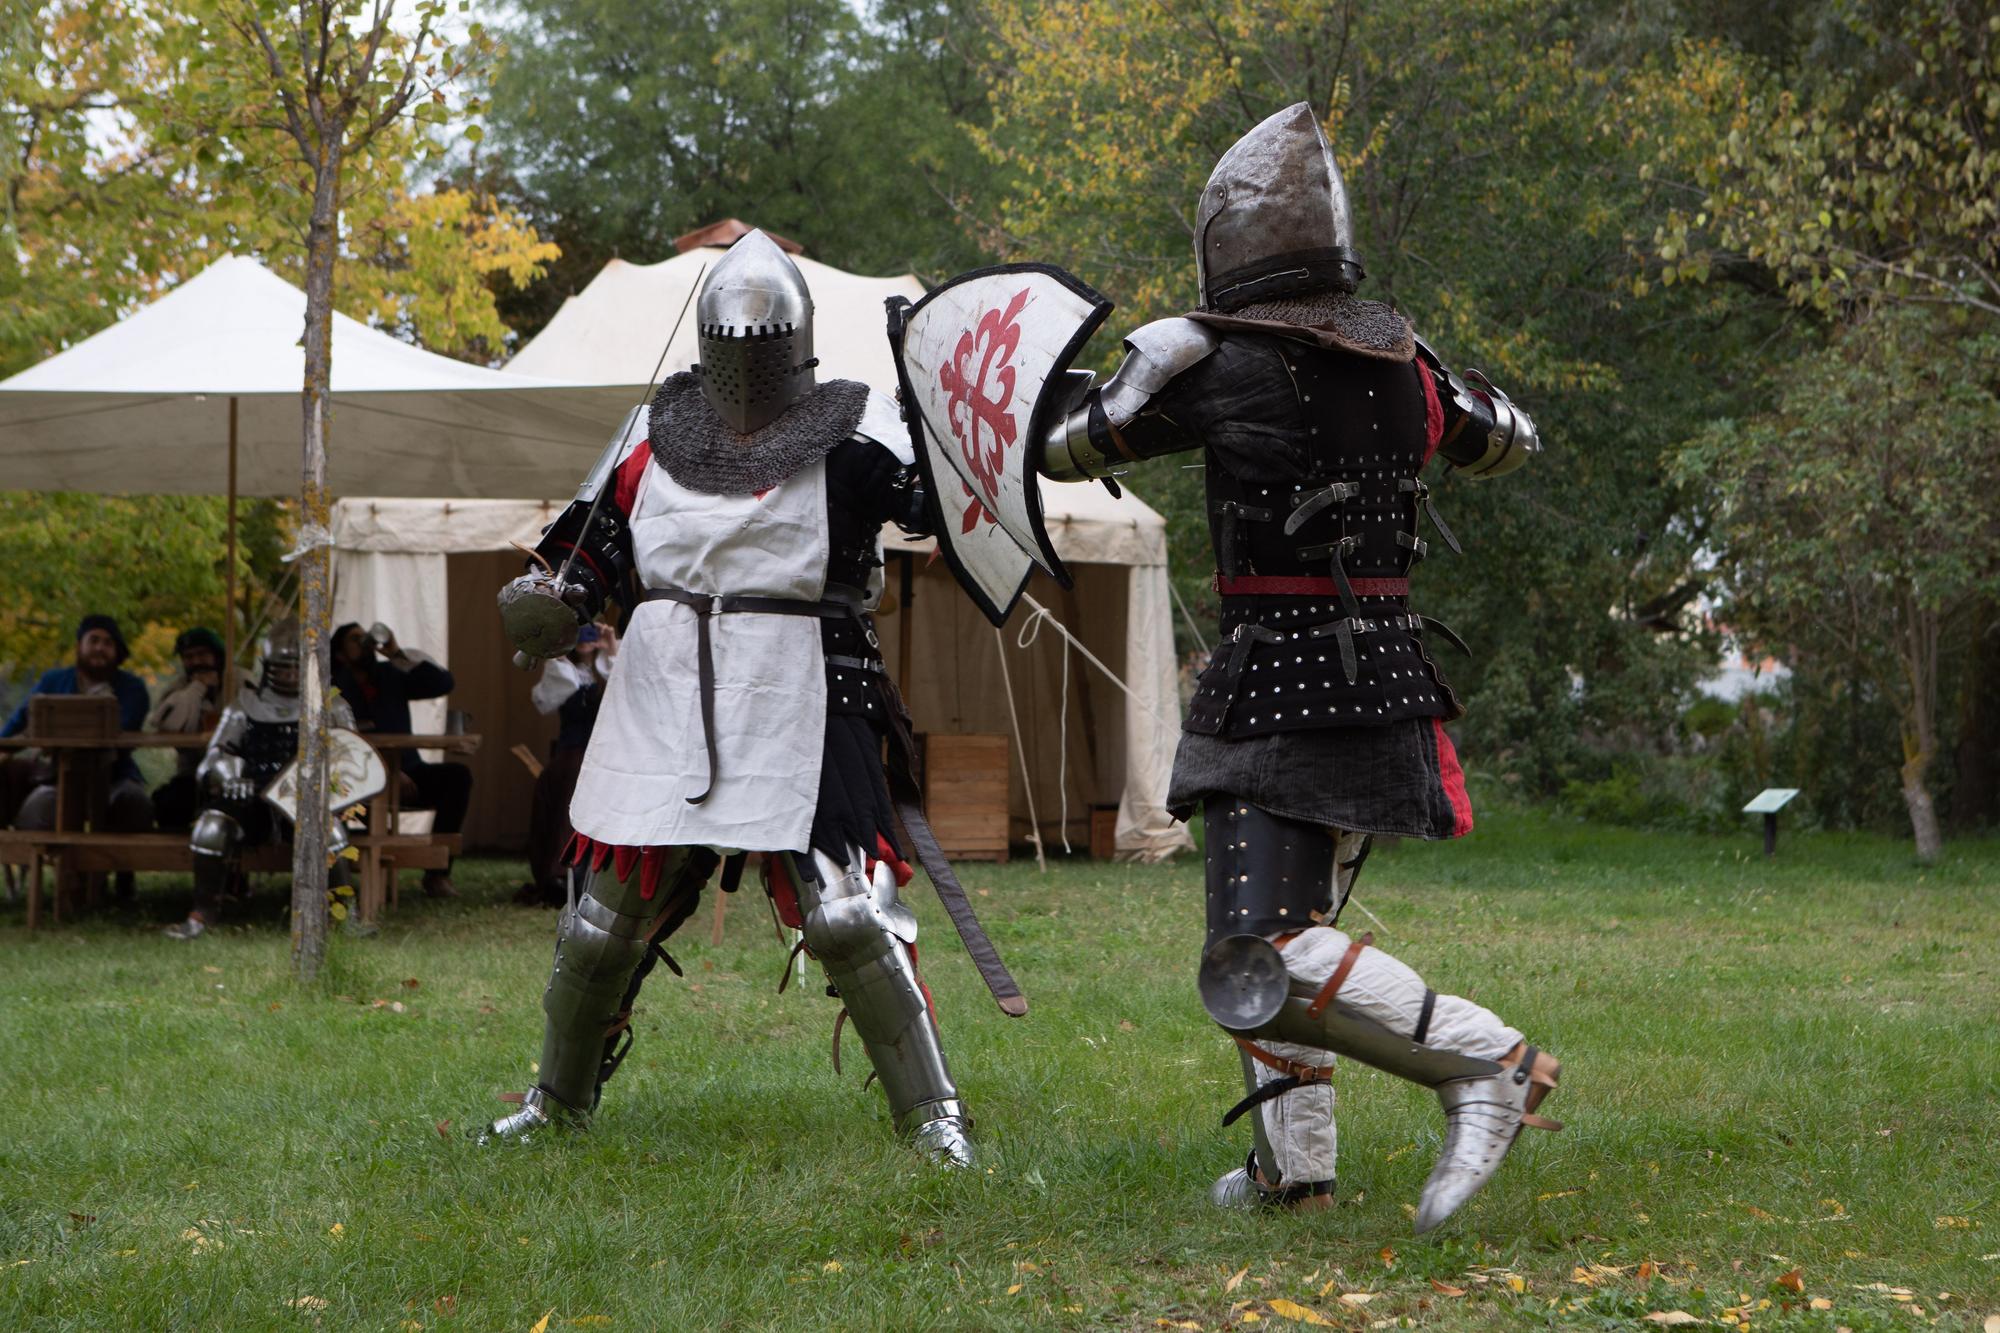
(571, 687)
(100, 653)
(380, 693)
(190, 702)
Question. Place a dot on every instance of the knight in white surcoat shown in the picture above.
(739, 521)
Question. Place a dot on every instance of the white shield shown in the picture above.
(981, 360)
(354, 772)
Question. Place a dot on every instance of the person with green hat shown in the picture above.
(188, 703)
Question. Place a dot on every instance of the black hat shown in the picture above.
(109, 626)
(201, 636)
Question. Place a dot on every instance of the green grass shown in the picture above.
(1768, 1067)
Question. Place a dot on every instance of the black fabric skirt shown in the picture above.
(854, 807)
(1401, 779)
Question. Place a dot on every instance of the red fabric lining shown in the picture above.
(1453, 777)
(1278, 585)
(625, 488)
(1433, 412)
(784, 894)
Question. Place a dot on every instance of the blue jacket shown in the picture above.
(128, 689)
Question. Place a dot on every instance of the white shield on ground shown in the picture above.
(981, 360)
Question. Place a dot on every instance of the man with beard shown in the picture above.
(740, 521)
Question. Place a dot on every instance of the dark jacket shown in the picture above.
(128, 689)
(380, 695)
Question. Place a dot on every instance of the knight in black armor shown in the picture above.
(257, 736)
(1319, 719)
(739, 519)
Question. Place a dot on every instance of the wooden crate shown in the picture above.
(965, 795)
(1103, 832)
(66, 717)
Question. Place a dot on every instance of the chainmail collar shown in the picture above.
(1326, 319)
(703, 454)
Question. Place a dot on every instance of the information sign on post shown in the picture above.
(1768, 803)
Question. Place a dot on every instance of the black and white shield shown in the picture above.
(981, 361)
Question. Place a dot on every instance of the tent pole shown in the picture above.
(906, 594)
(229, 613)
(229, 610)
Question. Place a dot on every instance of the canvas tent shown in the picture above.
(438, 563)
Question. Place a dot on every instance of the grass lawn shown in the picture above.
(1770, 1069)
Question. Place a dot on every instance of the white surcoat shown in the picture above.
(646, 754)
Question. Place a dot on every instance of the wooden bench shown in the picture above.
(384, 854)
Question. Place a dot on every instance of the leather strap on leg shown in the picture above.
(1544, 1079)
(1424, 1018)
(1295, 1075)
(1339, 977)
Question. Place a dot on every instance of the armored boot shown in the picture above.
(604, 946)
(1305, 997)
(862, 934)
(1304, 1126)
(1483, 1117)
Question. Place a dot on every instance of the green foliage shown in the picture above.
(627, 124)
(1855, 514)
(1494, 192)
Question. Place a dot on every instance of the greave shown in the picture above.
(600, 945)
(861, 934)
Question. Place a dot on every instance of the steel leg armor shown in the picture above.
(1276, 879)
(862, 935)
(603, 946)
(216, 842)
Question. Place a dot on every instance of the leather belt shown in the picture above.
(709, 605)
(1258, 585)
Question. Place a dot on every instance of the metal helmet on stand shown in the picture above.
(1273, 221)
(754, 331)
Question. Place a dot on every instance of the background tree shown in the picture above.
(1858, 514)
(1496, 196)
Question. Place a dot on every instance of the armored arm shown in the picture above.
(1114, 424)
(1485, 434)
(585, 558)
(222, 772)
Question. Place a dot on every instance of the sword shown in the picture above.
(521, 659)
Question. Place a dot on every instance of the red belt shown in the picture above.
(1255, 585)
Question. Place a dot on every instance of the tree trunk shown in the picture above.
(1923, 815)
(309, 856)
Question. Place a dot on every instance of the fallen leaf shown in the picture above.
(1992, 1323)
(411, 983)
(442, 1126)
(1556, 1194)
(1237, 1280)
(1518, 1284)
(1358, 1297)
(1758, 1213)
(1670, 1317)
(830, 1266)
(1011, 1290)
(1943, 1222)
(446, 1305)
(336, 1229)
(1820, 1303)
(1446, 1289)
(1792, 1281)
(1648, 1271)
(1251, 1317)
(542, 1324)
(307, 1302)
(1388, 1257)
(83, 1219)
(1294, 1311)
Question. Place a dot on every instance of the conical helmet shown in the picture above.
(1273, 220)
(754, 320)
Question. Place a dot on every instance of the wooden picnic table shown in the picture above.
(75, 848)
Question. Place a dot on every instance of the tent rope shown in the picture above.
(1020, 752)
(1200, 639)
(1042, 613)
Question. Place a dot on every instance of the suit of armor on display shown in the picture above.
(738, 520)
(256, 737)
(1318, 720)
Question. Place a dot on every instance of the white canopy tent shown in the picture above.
(161, 403)
(609, 330)
(439, 562)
